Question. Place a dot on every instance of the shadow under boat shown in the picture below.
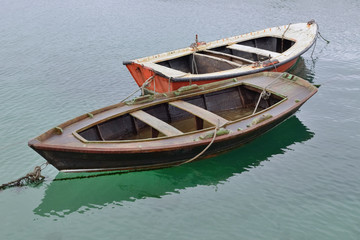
(70, 192)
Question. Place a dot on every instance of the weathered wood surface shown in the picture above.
(68, 152)
(156, 123)
(255, 50)
(206, 115)
(229, 56)
(294, 39)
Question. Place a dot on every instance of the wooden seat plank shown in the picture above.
(156, 123)
(206, 115)
(255, 50)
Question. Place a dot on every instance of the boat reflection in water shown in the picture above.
(301, 69)
(63, 197)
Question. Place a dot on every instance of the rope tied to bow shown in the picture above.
(142, 88)
(146, 83)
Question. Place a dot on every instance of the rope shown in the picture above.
(194, 64)
(147, 82)
(141, 88)
(318, 36)
(31, 177)
(275, 67)
(264, 94)
(131, 95)
(204, 150)
(154, 86)
(282, 38)
(169, 84)
(327, 41)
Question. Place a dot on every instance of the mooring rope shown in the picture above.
(147, 82)
(194, 65)
(31, 177)
(318, 36)
(130, 95)
(264, 94)
(206, 148)
(327, 41)
(141, 88)
(282, 37)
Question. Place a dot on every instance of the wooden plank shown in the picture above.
(229, 55)
(206, 115)
(218, 59)
(156, 123)
(255, 50)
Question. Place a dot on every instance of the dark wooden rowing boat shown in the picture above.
(210, 172)
(156, 131)
(272, 49)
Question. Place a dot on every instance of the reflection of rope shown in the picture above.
(314, 48)
(204, 150)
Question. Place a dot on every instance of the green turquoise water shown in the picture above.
(60, 59)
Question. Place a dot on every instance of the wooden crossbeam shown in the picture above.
(206, 115)
(156, 123)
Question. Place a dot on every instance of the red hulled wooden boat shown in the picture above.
(155, 131)
(272, 49)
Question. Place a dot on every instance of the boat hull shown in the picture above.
(273, 49)
(162, 84)
(164, 130)
(94, 160)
